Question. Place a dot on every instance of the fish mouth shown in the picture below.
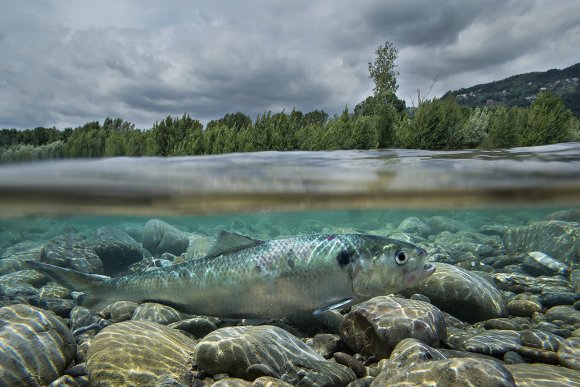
(412, 278)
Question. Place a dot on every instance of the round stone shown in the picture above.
(35, 346)
(564, 313)
(376, 326)
(538, 374)
(450, 372)
(461, 293)
(523, 308)
(569, 353)
(161, 314)
(233, 350)
(139, 353)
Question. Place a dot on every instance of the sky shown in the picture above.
(67, 62)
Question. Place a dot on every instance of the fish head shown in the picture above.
(387, 266)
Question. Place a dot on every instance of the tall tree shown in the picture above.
(383, 71)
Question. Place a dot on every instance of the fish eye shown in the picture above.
(400, 257)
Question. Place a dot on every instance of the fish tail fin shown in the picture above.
(95, 288)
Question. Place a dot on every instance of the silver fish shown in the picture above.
(243, 277)
(549, 263)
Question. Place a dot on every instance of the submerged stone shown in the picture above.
(449, 372)
(376, 326)
(161, 314)
(493, 343)
(72, 252)
(139, 353)
(35, 346)
(160, 237)
(233, 350)
(558, 239)
(462, 294)
(116, 249)
(569, 353)
(532, 375)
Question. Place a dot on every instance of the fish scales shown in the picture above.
(243, 277)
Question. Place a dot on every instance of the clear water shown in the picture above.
(271, 194)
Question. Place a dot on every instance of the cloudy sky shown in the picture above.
(67, 62)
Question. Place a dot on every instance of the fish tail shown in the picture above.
(96, 289)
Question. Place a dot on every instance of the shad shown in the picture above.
(243, 277)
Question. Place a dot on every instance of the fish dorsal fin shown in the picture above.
(228, 242)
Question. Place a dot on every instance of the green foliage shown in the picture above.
(383, 70)
(28, 152)
(549, 121)
(475, 129)
(502, 129)
(437, 125)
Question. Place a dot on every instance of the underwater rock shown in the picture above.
(31, 277)
(54, 290)
(326, 344)
(119, 311)
(161, 314)
(461, 293)
(351, 362)
(465, 246)
(310, 325)
(232, 382)
(16, 294)
(438, 224)
(268, 381)
(139, 353)
(450, 372)
(61, 307)
(35, 346)
(414, 225)
(493, 229)
(83, 320)
(550, 299)
(570, 215)
(508, 324)
(410, 351)
(569, 353)
(538, 374)
(14, 257)
(376, 326)
(523, 308)
(233, 350)
(565, 313)
(160, 237)
(72, 252)
(116, 249)
(493, 343)
(519, 283)
(539, 339)
(197, 326)
(558, 239)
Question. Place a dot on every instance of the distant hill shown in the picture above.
(521, 90)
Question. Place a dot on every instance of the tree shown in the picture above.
(549, 121)
(383, 72)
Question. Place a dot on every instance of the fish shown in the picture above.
(243, 277)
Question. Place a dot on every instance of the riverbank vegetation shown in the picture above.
(380, 121)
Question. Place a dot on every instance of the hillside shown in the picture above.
(521, 90)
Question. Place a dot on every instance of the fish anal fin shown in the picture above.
(228, 242)
(336, 305)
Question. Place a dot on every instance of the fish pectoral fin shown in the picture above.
(228, 242)
(336, 305)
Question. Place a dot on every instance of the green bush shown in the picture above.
(549, 122)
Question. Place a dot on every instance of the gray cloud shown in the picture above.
(68, 62)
